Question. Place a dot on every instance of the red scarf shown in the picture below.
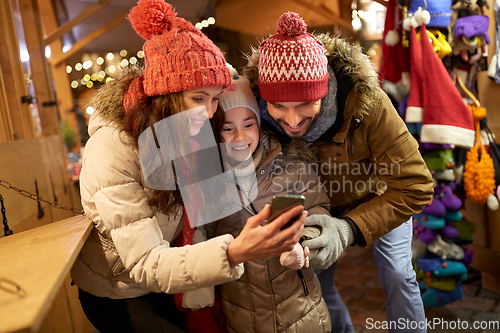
(209, 319)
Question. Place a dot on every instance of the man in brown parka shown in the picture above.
(324, 90)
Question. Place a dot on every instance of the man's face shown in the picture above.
(295, 118)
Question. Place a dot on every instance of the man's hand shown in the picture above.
(336, 235)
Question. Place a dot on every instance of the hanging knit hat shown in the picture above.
(470, 27)
(239, 94)
(414, 110)
(446, 118)
(177, 55)
(395, 59)
(292, 63)
(440, 11)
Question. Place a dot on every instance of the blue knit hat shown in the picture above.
(440, 11)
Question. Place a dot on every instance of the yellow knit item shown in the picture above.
(479, 174)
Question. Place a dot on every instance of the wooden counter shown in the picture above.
(38, 261)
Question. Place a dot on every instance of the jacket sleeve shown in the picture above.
(398, 164)
(123, 213)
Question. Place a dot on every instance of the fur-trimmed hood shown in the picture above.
(344, 58)
(108, 101)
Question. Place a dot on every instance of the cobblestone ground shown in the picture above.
(357, 280)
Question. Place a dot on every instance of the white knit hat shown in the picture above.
(239, 94)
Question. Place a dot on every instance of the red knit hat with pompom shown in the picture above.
(292, 63)
(177, 55)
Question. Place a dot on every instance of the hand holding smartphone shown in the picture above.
(282, 203)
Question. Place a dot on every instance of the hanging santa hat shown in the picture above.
(414, 110)
(395, 58)
(446, 118)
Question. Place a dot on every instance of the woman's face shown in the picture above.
(240, 132)
(201, 104)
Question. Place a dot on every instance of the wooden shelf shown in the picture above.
(38, 261)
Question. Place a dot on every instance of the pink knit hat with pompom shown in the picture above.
(292, 63)
(177, 55)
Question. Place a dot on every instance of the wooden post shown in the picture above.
(14, 86)
(6, 131)
(45, 97)
(61, 79)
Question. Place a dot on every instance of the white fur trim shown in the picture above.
(414, 114)
(446, 134)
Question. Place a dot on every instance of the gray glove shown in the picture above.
(336, 235)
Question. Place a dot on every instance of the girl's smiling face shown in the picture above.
(240, 133)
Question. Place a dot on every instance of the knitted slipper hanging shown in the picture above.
(479, 174)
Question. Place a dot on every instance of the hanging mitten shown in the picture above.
(479, 174)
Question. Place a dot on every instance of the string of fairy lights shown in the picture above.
(103, 68)
(97, 69)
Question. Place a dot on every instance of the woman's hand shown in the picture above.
(257, 242)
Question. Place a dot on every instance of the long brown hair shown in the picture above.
(142, 116)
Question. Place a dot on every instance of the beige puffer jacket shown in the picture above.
(128, 253)
(270, 297)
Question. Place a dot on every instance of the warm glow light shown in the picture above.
(87, 64)
(211, 20)
(69, 69)
(101, 74)
(93, 77)
(78, 67)
(25, 56)
(89, 110)
(133, 60)
(109, 79)
(204, 23)
(124, 63)
(100, 61)
(112, 69)
(198, 26)
(74, 84)
(140, 54)
(83, 81)
(110, 56)
(123, 53)
(90, 84)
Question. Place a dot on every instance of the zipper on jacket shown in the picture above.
(248, 198)
(303, 280)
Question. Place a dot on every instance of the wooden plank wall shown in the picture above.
(21, 163)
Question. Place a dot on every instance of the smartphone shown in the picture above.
(283, 202)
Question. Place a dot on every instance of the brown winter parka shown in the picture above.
(369, 163)
(270, 297)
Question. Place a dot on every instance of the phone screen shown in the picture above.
(283, 202)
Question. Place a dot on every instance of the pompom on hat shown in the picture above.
(292, 63)
(239, 94)
(177, 56)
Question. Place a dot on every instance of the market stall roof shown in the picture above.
(253, 17)
(259, 17)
